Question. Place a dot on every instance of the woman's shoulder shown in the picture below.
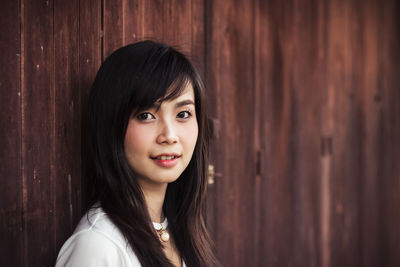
(96, 241)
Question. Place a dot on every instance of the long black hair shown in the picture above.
(133, 78)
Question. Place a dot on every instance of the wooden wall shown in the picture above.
(305, 99)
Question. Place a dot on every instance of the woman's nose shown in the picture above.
(167, 134)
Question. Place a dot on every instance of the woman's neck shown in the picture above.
(154, 196)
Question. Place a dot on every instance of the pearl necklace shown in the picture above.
(161, 229)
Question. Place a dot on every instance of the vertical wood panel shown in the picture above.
(90, 57)
(197, 26)
(388, 174)
(164, 21)
(351, 128)
(177, 24)
(305, 138)
(371, 115)
(11, 228)
(66, 177)
(134, 17)
(261, 134)
(153, 20)
(343, 55)
(327, 120)
(169, 22)
(278, 200)
(113, 26)
(230, 76)
(37, 118)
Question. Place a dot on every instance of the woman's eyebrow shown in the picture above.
(184, 103)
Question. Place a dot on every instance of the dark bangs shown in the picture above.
(163, 76)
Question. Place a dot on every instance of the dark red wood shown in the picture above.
(37, 93)
(279, 129)
(67, 103)
(133, 16)
(230, 77)
(11, 223)
(388, 169)
(344, 54)
(177, 24)
(90, 58)
(113, 26)
(152, 23)
(367, 68)
(304, 143)
(197, 26)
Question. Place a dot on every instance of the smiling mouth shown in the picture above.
(166, 161)
(164, 157)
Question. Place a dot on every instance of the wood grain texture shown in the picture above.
(230, 77)
(11, 223)
(329, 55)
(37, 92)
(66, 102)
(90, 58)
(133, 17)
(277, 120)
(388, 169)
(305, 141)
(345, 60)
(113, 26)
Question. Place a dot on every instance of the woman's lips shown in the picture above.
(166, 161)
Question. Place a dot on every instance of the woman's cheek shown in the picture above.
(138, 132)
(191, 133)
(136, 140)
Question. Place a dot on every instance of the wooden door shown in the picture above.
(307, 107)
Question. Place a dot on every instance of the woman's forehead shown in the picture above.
(186, 93)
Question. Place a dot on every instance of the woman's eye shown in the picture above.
(145, 116)
(184, 115)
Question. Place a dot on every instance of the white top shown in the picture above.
(97, 242)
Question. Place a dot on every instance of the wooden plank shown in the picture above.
(90, 57)
(259, 55)
(37, 132)
(169, 22)
(278, 125)
(388, 155)
(327, 119)
(177, 24)
(197, 26)
(133, 21)
(153, 20)
(230, 76)
(130, 21)
(11, 226)
(305, 137)
(343, 63)
(372, 140)
(113, 26)
(66, 174)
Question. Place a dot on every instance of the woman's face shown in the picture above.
(159, 143)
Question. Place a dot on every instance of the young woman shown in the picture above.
(149, 136)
